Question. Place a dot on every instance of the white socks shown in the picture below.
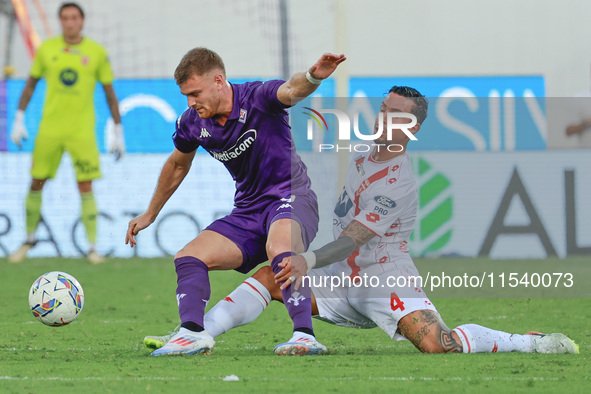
(241, 307)
(186, 331)
(479, 339)
(301, 335)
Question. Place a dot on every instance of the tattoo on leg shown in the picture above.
(429, 317)
(421, 334)
(448, 343)
(428, 333)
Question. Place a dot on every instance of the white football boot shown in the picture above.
(154, 342)
(95, 258)
(552, 343)
(21, 253)
(300, 345)
(186, 342)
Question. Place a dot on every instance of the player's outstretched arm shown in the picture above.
(174, 171)
(301, 85)
(352, 238)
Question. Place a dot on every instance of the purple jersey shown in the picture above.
(255, 144)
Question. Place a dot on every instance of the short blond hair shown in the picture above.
(198, 61)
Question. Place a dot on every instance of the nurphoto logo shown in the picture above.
(344, 130)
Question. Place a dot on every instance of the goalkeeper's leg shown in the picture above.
(33, 216)
(47, 155)
(85, 157)
(88, 216)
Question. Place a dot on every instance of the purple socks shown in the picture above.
(298, 302)
(192, 292)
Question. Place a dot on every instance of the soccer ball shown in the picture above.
(56, 298)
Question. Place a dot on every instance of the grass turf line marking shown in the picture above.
(99, 321)
(395, 378)
(44, 349)
(458, 378)
(85, 378)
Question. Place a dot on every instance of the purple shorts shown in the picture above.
(248, 227)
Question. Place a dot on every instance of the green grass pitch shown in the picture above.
(127, 299)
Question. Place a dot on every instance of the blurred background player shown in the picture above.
(371, 230)
(246, 127)
(580, 108)
(71, 65)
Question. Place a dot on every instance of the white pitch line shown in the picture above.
(116, 321)
(394, 378)
(100, 321)
(86, 378)
(458, 378)
(43, 349)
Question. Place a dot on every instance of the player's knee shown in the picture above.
(85, 186)
(275, 248)
(179, 254)
(37, 184)
(266, 277)
(186, 252)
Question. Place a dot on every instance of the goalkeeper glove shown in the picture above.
(18, 132)
(115, 139)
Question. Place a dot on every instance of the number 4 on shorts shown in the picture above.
(396, 303)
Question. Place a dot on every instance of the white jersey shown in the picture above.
(382, 196)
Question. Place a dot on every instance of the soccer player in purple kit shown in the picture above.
(246, 127)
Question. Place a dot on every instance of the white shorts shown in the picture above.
(369, 306)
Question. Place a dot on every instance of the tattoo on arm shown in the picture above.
(334, 251)
(358, 232)
(351, 239)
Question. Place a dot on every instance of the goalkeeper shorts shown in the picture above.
(50, 147)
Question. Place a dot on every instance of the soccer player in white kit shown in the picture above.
(372, 222)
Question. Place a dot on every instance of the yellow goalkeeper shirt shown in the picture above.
(71, 73)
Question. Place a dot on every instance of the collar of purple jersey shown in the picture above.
(235, 113)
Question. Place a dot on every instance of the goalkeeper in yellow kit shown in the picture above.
(71, 65)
